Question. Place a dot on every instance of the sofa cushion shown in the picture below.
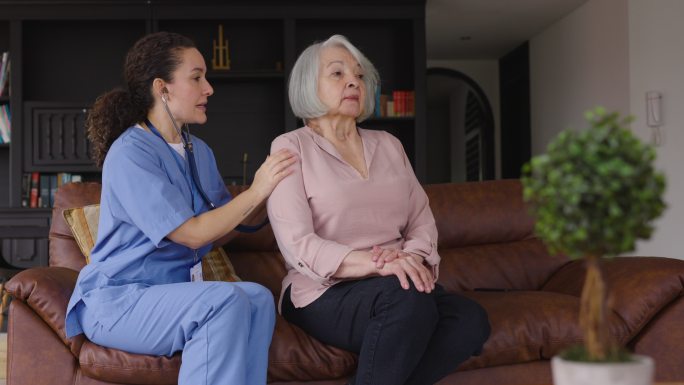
(83, 221)
(64, 250)
(530, 326)
(636, 301)
(216, 266)
(533, 325)
(296, 356)
(112, 365)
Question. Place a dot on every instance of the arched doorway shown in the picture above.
(460, 132)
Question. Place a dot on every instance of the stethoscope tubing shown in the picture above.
(187, 145)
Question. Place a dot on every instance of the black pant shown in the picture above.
(401, 336)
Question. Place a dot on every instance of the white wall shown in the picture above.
(579, 62)
(656, 58)
(610, 52)
(486, 74)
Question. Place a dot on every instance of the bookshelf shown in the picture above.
(66, 53)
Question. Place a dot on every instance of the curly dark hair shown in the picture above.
(156, 55)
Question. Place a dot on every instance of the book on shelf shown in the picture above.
(383, 105)
(400, 103)
(5, 124)
(404, 102)
(25, 189)
(44, 188)
(53, 189)
(38, 189)
(4, 73)
(63, 178)
(33, 192)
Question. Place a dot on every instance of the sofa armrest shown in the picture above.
(663, 340)
(47, 290)
(638, 287)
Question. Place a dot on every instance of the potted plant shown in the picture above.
(594, 193)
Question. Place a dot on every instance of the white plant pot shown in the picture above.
(638, 372)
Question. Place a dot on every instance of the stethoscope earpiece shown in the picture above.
(164, 91)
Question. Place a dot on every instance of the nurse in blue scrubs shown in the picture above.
(157, 219)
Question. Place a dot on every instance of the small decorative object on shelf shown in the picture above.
(221, 59)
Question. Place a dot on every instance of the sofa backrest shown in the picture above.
(485, 238)
(477, 213)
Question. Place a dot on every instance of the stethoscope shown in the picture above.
(187, 145)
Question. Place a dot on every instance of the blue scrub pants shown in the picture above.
(224, 330)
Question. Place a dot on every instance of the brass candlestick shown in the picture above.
(221, 59)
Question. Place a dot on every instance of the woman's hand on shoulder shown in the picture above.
(408, 266)
(272, 171)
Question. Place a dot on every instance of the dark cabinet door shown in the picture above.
(24, 237)
(56, 139)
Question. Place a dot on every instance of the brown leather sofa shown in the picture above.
(488, 253)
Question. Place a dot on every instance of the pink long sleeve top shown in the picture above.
(326, 209)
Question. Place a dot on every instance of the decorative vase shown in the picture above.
(639, 371)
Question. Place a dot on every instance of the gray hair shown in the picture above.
(303, 83)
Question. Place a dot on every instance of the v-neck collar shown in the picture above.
(151, 137)
(368, 142)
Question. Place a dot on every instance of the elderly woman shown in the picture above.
(358, 236)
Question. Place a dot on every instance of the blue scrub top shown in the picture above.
(147, 192)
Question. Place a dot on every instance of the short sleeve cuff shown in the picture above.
(168, 224)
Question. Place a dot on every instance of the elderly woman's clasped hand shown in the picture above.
(404, 265)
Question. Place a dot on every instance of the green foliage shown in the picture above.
(579, 353)
(594, 192)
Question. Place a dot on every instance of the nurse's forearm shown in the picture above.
(207, 227)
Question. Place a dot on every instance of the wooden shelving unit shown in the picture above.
(65, 53)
